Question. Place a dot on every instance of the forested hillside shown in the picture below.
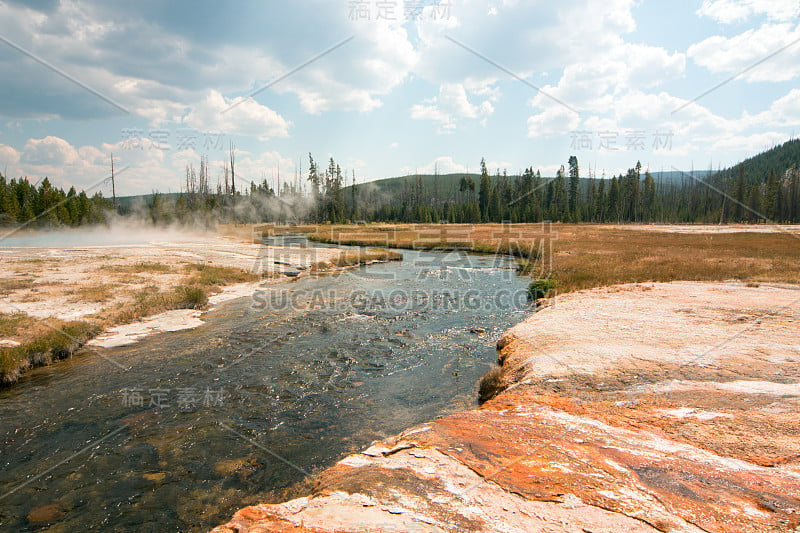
(767, 184)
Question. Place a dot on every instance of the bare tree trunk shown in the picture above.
(113, 185)
(233, 172)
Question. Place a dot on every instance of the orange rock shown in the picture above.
(45, 513)
(608, 425)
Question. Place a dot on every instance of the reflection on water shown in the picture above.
(269, 389)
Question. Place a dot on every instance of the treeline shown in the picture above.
(202, 204)
(23, 202)
(766, 186)
(633, 197)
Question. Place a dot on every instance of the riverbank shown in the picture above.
(585, 256)
(54, 299)
(637, 407)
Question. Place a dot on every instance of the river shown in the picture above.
(178, 431)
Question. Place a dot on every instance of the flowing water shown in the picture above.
(178, 431)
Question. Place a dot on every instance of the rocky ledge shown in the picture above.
(638, 408)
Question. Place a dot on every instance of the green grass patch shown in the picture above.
(58, 341)
(189, 297)
(541, 288)
(213, 276)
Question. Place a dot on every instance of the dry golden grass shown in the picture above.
(350, 258)
(94, 293)
(586, 256)
(361, 256)
(199, 280)
(13, 323)
(594, 256)
(9, 285)
(136, 268)
(151, 300)
(214, 276)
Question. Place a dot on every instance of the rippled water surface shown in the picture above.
(199, 423)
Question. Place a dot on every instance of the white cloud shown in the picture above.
(450, 105)
(592, 85)
(525, 37)
(354, 76)
(754, 143)
(730, 11)
(555, 120)
(9, 158)
(787, 108)
(453, 101)
(174, 65)
(50, 150)
(601, 88)
(266, 165)
(783, 112)
(733, 55)
(648, 66)
(442, 164)
(184, 75)
(138, 171)
(247, 118)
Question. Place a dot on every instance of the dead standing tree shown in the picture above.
(233, 171)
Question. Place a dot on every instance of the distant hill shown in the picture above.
(445, 183)
(449, 183)
(756, 169)
(679, 177)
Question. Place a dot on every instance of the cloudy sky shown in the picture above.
(390, 87)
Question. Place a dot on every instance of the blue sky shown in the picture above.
(418, 85)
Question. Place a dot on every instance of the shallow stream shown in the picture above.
(178, 431)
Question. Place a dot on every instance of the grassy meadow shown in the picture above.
(577, 256)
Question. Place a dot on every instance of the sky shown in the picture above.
(389, 88)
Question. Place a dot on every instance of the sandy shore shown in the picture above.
(645, 407)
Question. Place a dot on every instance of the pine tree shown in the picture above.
(484, 192)
(614, 210)
(574, 183)
(739, 194)
(649, 197)
(600, 203)
(755, 203)
(771, 199)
